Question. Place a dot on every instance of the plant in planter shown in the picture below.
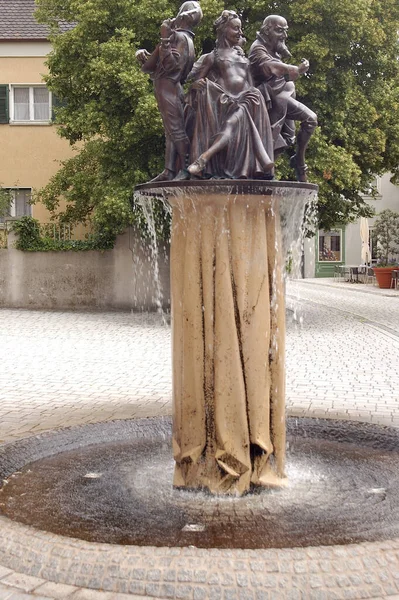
(386, 230)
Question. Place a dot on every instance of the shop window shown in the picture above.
(330, 245)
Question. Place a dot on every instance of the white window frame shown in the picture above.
(375, 186)
(31, 121)
(12, 204)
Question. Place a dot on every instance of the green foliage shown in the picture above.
(110, 112)
(31, 240)
(386, 231)
(28, 231)
(5, 201)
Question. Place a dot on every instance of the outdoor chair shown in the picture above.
(394, 279)
(337, 272)
(369, 276)
(346, 273)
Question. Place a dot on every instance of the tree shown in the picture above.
(386, 233)
(5, 202)
(109, 113)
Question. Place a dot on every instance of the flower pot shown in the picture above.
(384, 276)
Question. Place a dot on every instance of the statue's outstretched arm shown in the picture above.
(148, 61)
(289, 72)
(266, 67)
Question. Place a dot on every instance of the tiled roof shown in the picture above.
(17, 21)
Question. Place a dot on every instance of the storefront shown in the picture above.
(330, 246)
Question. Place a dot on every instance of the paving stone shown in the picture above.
(86, 594)
(25, 596)
(4, 572)
(58, 591)
(245, 594)
(230, 594)
(168, 590)
(6, 591)
(262, 595)
(22, 582)
(200, 593)
(185, 592)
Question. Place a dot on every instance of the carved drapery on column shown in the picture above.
(228, 324)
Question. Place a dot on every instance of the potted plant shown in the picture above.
(386, 231)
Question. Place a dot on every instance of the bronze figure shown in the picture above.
(231, 133)
(275, 80)
(169, 65)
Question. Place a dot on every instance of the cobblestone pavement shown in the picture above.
(69, 368)
(343, 351)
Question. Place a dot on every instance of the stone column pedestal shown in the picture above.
(228, 331)
(228, 324)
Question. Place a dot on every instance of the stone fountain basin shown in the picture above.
(112, 482)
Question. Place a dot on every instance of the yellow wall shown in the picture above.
(22, 69)
(29, 154)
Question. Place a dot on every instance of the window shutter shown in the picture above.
(55, 103)
(3, 103)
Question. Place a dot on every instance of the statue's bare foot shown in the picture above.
(166, 175)
(197, 166)
(300, 170)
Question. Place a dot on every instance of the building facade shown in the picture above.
(30, 149)
(343, 244)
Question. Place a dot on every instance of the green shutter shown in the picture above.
(3, 103)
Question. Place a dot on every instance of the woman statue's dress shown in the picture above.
(215, 106)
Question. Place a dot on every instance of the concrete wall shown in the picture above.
(121, 278)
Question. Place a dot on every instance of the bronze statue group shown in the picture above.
(239, 113)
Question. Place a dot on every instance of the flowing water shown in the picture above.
(343, 487)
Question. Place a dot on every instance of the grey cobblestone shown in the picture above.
(341, 362)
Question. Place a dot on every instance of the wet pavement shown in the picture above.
(71, 369)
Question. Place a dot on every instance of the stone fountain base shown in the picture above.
(112, 483)
(229, 244)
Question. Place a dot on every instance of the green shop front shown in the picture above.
(330, 251)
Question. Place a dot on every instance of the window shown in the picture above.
(373, 240)
(375, 188)
(30, 103)
(19, 203)
(330, 245)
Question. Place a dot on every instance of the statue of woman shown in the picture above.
(231, 134)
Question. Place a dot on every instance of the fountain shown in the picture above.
(227, 255)
(233, 225)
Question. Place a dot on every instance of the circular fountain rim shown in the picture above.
(54, 557)
(236, 186)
